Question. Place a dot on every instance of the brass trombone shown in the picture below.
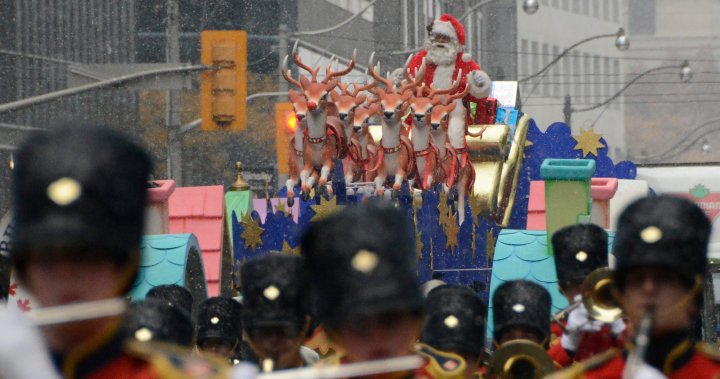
(520, 359)
(597, 297)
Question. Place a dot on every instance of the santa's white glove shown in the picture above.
(479, 83)
(578, 322)
(23, 353)
(477, 79)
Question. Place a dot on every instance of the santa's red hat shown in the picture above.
(449, 26)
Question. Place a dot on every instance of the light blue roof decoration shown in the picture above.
(170, 259)
(522, 254)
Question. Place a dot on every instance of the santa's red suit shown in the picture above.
(441, 70)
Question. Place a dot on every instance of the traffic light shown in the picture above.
(285, 124)
(224, 88)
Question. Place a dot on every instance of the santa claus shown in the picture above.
(444, 59)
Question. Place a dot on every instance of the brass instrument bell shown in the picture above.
(520, 359)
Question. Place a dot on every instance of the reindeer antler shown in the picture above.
(417, 80)
(299, 63)
(458, 95)
(286, 74)
(452, 88)
(356, 90)
(329, 74)
(388, 84)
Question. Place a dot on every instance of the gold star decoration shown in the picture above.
(325, 208)
(289, 250)
(252, 232)
(418, 246)
(490, 246)
(451, 230)
(443, 208)
(475, 207)
(528, 143)
(588, 141)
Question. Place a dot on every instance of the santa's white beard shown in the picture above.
(441, 54)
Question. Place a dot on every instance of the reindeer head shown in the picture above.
(442, 110)
(346, 100)
(362, 115)
(393, 101)
(439, 115)
(315, 92)
(421, 105)
(299, 104)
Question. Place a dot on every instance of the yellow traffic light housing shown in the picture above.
(285, 124)
(224, 88)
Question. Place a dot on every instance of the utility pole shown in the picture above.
(282, 50)
(172, 117)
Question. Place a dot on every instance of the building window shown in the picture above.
(617, 81)
(556, 74)
(596, 9)
(587, 67)
(585, 8)
(641, 16)
(545, 60)
(555, 4)
(616, 11)
(577, 80)
(565, 5)
(535, 54)
(608, 78)
(606, 10)
(354, 7)
(597, 78)
(576, 6)
(524, 58)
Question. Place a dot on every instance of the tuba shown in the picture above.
(520, 359)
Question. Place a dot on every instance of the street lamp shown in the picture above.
(529, 6)
(568, 110)
(621, 43)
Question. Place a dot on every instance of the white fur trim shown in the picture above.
(466, 57)
(444, 28)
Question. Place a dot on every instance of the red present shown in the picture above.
(485, 111)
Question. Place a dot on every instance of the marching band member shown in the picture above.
(578, 250)
(661, 258)
(276, 310)
(219, 326)
(364, 273)
(154, 320)
(455, 323)
(521, 310)
(79, 201)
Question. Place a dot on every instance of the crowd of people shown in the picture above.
(79, 200)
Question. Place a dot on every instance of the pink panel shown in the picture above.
(260, 205)
(211, 261)
(208, 232)
(603, 188)
(536, 202)
(213, 288)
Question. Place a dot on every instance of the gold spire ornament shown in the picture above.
(443, 208)
(490, 246)
(325, 208)
(588, 141)
(252, 232)
(418, 246)
(475, 208)
(240, 184)
(451, 230)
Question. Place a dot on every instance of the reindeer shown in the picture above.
(395, 155)
(363, 150)
(324, 137)
(426, 154)
(461, 169)
(296, 146)
(445, 152)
